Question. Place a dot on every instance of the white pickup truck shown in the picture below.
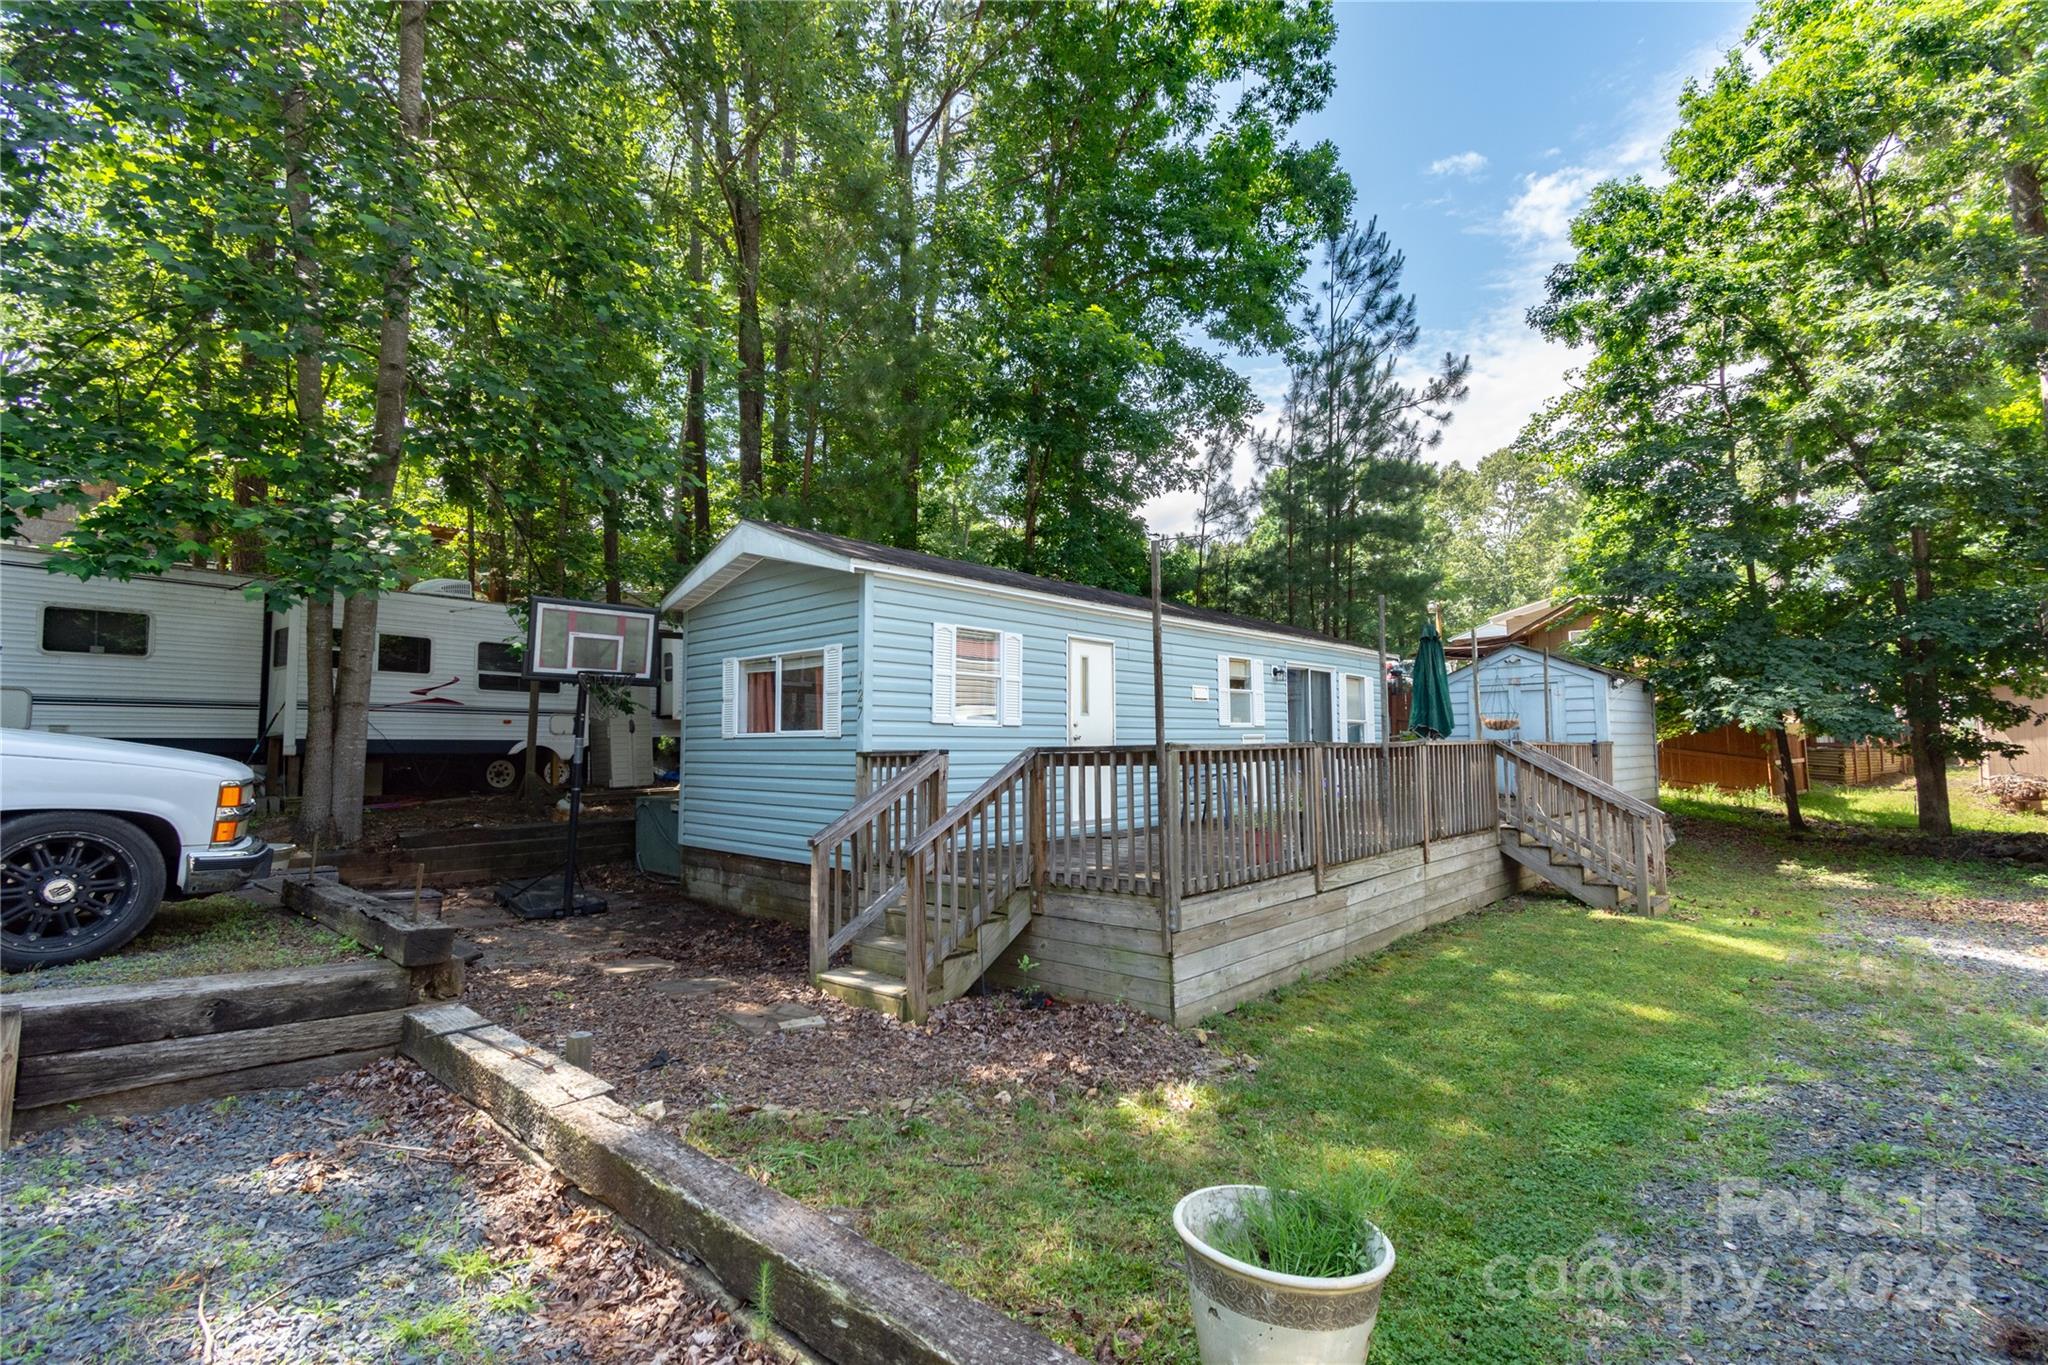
(94, 833)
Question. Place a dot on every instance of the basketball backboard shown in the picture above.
(565, 638)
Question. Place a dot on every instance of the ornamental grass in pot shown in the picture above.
(1288, 1271)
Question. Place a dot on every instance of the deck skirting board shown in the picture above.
(1235, 946)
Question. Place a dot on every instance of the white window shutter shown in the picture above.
(832, 689)
(942, 674)
(1337, 717)
(1223, 689)
(1258, 691)
(1012, 657)
(729, 708)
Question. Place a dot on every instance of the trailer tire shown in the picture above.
(502, 774)
(74, 885)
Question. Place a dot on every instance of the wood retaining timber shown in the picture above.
(834, 1291)
(457, 857)
(127, 1049)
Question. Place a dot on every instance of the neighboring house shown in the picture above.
(801, 649)
(1582, 704)
(2032, 761)
(1540, 625)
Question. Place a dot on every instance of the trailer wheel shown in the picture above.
(74, 885)
(503, 774)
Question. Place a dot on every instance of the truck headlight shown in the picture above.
(230, 810)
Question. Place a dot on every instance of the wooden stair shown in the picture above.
(1571, 876)
(876, 978)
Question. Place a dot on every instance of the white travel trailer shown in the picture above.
(189, 659)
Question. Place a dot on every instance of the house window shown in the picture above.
(1355, 708)
(783, 694)
(498, 670)
(84, 630)
(280, 646)
(1238, 688)
(1572, 637)
(404, 654)
(976, 676)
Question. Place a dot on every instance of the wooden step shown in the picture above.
(1565, 877)
(868, 989)
(880, 954)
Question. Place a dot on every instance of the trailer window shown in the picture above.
(497, 670)
(280, 646)
(404, 654)
(85, 630)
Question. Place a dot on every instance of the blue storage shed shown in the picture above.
(1582, 704)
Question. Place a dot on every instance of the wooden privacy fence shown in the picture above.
(858, 861)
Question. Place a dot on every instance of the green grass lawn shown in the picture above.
(200, 937)
(1516, 1074)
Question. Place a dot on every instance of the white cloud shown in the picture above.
(1464, 163)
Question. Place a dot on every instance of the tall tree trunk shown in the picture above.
(2030, 216)
(1788, 774)
(387, 434)
(316, 749)
(693, 405)
(778, 429)
(1923, 703)
(612, 587)
(740, 178)
(904, 345)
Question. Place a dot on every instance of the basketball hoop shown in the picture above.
(582, 642)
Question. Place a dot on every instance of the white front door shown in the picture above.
(1091, 709)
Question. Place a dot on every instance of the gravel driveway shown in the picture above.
(1884, 1198)
(371, 1219)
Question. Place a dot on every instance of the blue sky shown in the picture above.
(1474, 130)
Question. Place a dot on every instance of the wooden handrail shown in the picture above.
(963, 868)
(889, 791)
(1000, 777)
(1612, 836)
(859, 861)
(1579, 777)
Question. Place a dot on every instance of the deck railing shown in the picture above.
(858, 861)
(872, 767)
(1102, 819)
(1611, 834)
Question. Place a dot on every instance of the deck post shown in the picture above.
(1644, 905)
(914, 969)
(1422, 767)
(1038, 797)
(1318, 812)
(1170, 849)
(821, 932)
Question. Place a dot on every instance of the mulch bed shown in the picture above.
(695, 1006)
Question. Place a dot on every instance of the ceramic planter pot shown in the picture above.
(1248, 1316)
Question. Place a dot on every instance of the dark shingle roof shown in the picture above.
(1010, 578)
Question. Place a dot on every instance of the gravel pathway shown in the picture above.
(1904, 1213)
(372, 1219)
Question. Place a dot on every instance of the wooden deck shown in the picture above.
(1245, 830)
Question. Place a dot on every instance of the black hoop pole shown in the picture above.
(576, 742)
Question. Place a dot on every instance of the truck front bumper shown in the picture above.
(226, 867)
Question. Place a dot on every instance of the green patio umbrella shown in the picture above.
(1429, 714)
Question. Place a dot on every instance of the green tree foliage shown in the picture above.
(1501, 535)
(1343, 487)
(1811, 433)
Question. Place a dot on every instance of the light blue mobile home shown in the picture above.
(973, 752)
(800, 650)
